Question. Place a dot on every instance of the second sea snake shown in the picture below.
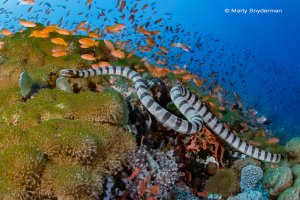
(189, 105)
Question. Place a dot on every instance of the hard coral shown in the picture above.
(224, 182)
(105, 107)
(278, 179)
(156, 169)
(64, 159)
(250, 177)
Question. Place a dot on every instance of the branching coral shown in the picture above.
(205, 139)
(157, 173)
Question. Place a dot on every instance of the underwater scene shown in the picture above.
(149, 100)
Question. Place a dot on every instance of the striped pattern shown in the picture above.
(188, 104)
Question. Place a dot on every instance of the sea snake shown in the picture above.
(189, 105)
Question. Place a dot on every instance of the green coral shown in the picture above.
(62, 158)
(108, 107)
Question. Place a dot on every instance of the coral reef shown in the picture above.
(292, 148)
(56, 152)
(250, 177)
(184, 194)
(277, 179)
(293, 192)
(155, 169)
(224, 182)
(105, 107)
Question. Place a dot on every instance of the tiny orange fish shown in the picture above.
(94, 35)
(115, 28)
(88, 42)
(256, 144)
(59, 49)
(180, 45)
(6, 32)
(25, 23)
(135, 173)
(64, 32)
(59, 41)
(197, 82)
(88, 57)
(49, 29)
(88, 2)
(59, 53)
(123, 4)
(104, 64)
(273, 140)
(39, 34)
(109, 45)
(118, 54)
(164, 49)
(131, 53)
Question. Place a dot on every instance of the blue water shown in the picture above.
(257, 54)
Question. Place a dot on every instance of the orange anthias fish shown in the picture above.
(64, 32)
(144, 31)
(197, 82)
(135, 173)
(180, 45)
(88, 57)
(88, 42)
(25, 23)
(187, 77)
(115, 28)
(59, 49)
(27, 2)
(49, 29)
(109, 45)
(59, 53)
(39, 34)
(123, 4)
(273, 140)
(104, 64)
(94, 35)
(131, 53)
(6, 32)
(101, 64)
(118, 54)
(88, 2)
(59, 41)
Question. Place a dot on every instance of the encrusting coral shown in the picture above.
(57, 146)
(224, 182)
(105, 107)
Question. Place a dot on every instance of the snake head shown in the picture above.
(68, 73)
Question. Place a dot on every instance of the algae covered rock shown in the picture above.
(293, 150)
(278, 179)
(105, 107)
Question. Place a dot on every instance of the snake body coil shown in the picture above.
(189, 105)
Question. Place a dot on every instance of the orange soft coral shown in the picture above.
(205, 139)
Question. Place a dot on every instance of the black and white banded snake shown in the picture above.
(189, 105)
